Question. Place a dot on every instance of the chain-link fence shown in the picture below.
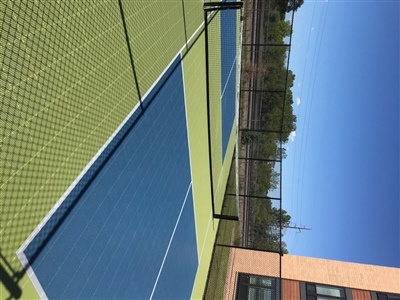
(253, 244)
(223, 57)
(70, 73)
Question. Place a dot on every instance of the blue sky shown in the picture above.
(341, 176)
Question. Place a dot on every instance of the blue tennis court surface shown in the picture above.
(228, 74)
(129, 230)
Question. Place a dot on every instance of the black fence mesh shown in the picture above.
(67, 82)
(61, 64)
(247, 253)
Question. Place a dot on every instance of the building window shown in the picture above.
(385, 296)
(324, 292)
(251, 287)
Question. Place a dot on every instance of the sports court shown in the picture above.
(105, 188)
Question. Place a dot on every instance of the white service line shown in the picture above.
(170, 241)
(229, 76)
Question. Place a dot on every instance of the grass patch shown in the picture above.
(228, 234)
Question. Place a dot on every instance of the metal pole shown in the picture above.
(208, 113)
(266, 45)
(253, 196)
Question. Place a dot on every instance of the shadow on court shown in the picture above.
(10, 277)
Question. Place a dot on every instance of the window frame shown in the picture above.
(305, 294)
(383, 295)
(242, 287)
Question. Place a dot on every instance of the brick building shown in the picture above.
(254, 275)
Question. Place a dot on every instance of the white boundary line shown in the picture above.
(32, 276)
(84, 171)
(20, 252)
(170, 241)
(74, 184)
(192, 37)
(229, 76)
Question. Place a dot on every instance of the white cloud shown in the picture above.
(298, 101)
(299, 84)
(292, 135)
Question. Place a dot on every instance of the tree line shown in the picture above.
(274, 109)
